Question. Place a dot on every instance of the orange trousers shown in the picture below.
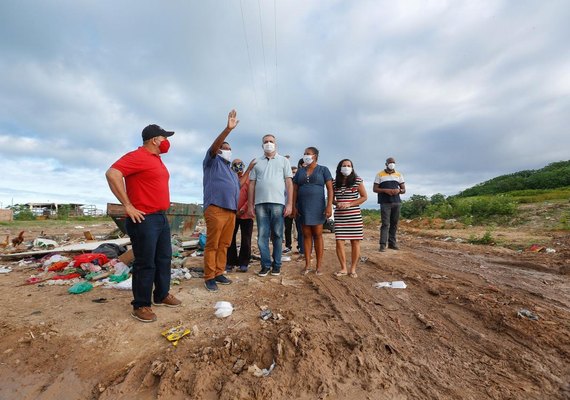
(220, 224)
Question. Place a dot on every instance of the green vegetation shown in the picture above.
(477, 210)
(486, 239)
(54, 222)
(553, 176)
(22, 213)
(370, 217)
(497, 200)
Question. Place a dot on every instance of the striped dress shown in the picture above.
(348, 221)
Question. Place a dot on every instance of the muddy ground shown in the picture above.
(453, 333)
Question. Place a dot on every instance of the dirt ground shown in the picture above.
(453, 333)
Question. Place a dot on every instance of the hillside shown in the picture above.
(553, 176)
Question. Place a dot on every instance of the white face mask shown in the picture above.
(391, 166)
(226, 154)
(269, 147)
(346, 170)
(307, 159)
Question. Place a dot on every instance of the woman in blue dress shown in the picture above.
(310, 205)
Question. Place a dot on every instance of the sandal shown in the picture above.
(340, 273)
(353, 275)
(318, 273)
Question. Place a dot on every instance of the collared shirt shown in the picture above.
(269, 175)
(387, 180)
(146, 180)
(221, 184)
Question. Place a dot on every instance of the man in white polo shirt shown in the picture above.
(271, 190)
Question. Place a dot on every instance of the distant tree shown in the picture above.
(415, 206)
(22, 212)
(437, 198)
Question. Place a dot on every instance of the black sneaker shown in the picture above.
(382, 248)
(276, 271)
(222, 280)
(286, 250)
(393, 247)
(243, 268)
(264, 271)
(211, 285)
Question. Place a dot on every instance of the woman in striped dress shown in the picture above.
(349, 194)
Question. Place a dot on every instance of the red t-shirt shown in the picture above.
(146, 180)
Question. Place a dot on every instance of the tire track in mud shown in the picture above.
(474, 314)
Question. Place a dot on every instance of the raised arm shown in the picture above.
(232, 123)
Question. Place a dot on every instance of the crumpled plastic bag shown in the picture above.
(80, 287)
(223, 309)
(391, 285)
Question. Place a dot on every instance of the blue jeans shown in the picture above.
(269, 224)
(153, 253)
(390, 214)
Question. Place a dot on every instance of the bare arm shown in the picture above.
(363, 196)
(251, 197)
(245, 176)
(117, 186)
(232, 122)
(289, 205)
(402, 188)
(330, 195)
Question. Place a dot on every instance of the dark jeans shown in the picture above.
(300, 242)
(390, 213)
(288, 231)
(153, 253)
(246, 226)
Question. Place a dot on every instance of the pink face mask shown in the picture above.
(164, 146)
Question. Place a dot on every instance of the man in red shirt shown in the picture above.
(139, 180)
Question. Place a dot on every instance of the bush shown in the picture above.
(22, 213)
(415, 207)
(487, 239)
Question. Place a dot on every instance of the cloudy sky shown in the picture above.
(457, 91)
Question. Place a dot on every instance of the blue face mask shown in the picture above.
(238, 167)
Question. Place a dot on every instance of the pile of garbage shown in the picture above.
(109, 266)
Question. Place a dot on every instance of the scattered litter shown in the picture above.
(391, 285)
(437, 276)
(363, 259)
(448, 239)
(285, 258)
(100, 300)
(524, 313)
(5, 270)
(223, 309)
(124, 285)
(258, 372)
(80, 287)
(535, 248)
(265, 314)
(175, 334)
(45, 243)
(550, 250)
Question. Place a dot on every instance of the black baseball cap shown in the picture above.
(153, 131)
